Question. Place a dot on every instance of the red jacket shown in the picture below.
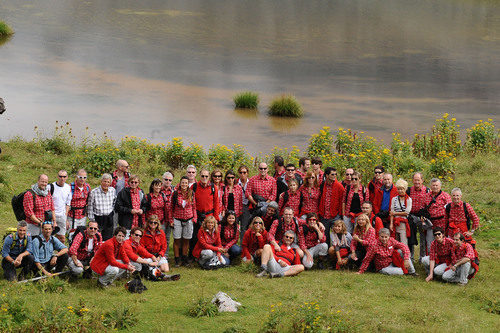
(107, 255)
(252, 243)
(330, 202)
(207, 201)
(135, 250)
(155, 243)
(288, 255)
(376, 222)
(377, 201)
(207, 241)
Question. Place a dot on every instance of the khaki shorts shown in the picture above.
(183, 229)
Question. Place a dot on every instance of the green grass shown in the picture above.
(371, 302)
(5, 30)
(246, 100)
(286, 106)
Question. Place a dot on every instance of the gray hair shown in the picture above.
(457, 189)
(106, 176)
(273, 204)
(22, 224)
(167, 174)
(384, 231)
(290, 232)
(418, 173)
(190, 166)
(435, 180)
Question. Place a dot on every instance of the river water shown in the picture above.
(160, 69)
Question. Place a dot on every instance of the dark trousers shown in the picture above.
(328, 225)
(60, 263)
(245, 219)
(194, 239)
(105, 223)
(9, 270)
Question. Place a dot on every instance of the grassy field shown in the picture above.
(368, 302)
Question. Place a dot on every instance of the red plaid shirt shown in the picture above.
(167, 192)
(418, 198)
(456, 221)
(437, 208)
(293, 202)
(272, 236)
(311, 238)
(374, 186)
(278, 174)
(442, 253)
(266, 187)
(383, 254)
(81, 252)
(367, 237)
(348, 197)
(126, 175)
(238, 199)
(79, 201)
(288, 255)
(319, 175)
(135, 197)
(220, 193)
(186, 213)
(42, 204)
(310, 199)
(229, 237)
(465, 250)
(157, 207)
(330, 203)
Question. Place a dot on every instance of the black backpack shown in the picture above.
(18, 206)
(81, 230)
(448, 208)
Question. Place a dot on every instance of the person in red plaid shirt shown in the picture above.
(281, 225)
(462, 256)
(437, 200)
(457, 220)
(290, 198)
(80, 191)
(418, 194)
(36, 202)
(377, 181)
(279, 167)
(364, 234)
(131, 205)
(261, 186)
(85, 244)
(315, 242)
(304, 166)
(229, 231)
(330, 202)
(317, 163)
(440, 256)
(167, 190)
(310, 195)
(254, 240)
(391, 257)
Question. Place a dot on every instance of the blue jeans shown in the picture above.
(234, 252)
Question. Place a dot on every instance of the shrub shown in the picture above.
(240, 157)
(195, 155)
(120, 318)
(5, 30)
(62, 141)
(444, 137)
(321, 143)
(482, 137)
(246, 100)
(307, 318)
(220, 156)
(203, 308)
(174, 153)
(286, 106)
(52, 285)
(273, 321)
(443, 166)
(98, 160)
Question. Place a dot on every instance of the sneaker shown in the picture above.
(275, 275)
(177, 262)
(262, 274)
(414, 274)
(173, 277)
(102, 285)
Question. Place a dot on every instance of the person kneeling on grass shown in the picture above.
(315, 242)
(82, 249)
(110, 260)
(44, 247)
(440, 256)
(463, 259)
(136, 253)
(16, 253)
(340, 244)
(284, 261)
(253, 241)
(391, 257)
(208, 250)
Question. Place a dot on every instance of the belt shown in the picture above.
(182, 220)
(436, 218)
(199, 212)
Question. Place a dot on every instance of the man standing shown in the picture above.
(191, 174)
(61, 195)
(279, 167)
(261, 188)
(245, 215)
(44, 247)
(167, 190)
(383, 198)
(330, 202)
(85, 244)
(435, 202)
(347, 177)
(282, 182)
(120, 175)
(317, 163)
(16, 253)
(440, 255)
(80, 190)
(418, 194)
(38, 205)
(462, 257)
(377, 181)
(101, 206)
(459, 216)
(304, 166)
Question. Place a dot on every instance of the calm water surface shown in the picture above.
(160, 69)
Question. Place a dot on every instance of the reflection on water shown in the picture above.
(159, 69)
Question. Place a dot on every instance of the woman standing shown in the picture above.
(232, 199)
(155, 201)
(309, 195)
(354, 196)
(229, 231)
(216, 179)
(290, 198)
(400, 208)
(183, 216)
(208, 249)
(131, 205)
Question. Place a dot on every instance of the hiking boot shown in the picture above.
(87, 274)
(173, 277)
(263, 273)
(414, 274)
(184, 261)
(102, 285)
(177, 262)
(275, 275)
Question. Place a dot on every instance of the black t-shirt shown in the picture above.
(355, 204)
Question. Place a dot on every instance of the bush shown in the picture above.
(307, 318)
(62, 141)
(246, 100)
(98, 160)
(120, 318)
(174, 153)
(5, 30)
(52, 285)
(286, 106)
(321, 143)
(443, 166)
(203, 308)
(482, 137)
(195, 155)
(444, 137)
(220, 156)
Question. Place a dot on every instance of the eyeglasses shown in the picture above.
(378, 172)
(62, 176)
(257, 223)
(138, 235)
(438, 234)
(81, 177)
(289, 237)
(230, 177)
(191, 172)
(290, 170)
(316, 163)
(354, 178)
(243, 172)
(349, 174)
(312, 219)
(47, 222)
(153, 222)
(167, 180)
(203, 176)
(333, 174)
(217, 176)
(262, 168)
(92, 228)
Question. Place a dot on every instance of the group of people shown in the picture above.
(297, 219)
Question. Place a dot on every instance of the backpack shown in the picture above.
(18, 206)
(86, 189)
(135, 285)
(81, 230)
(348, 189)
(448, 209)
(286, 196)
(195, 185)
(12, 232)
(41, 241)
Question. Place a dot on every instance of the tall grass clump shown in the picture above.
(5, 30)
(246, 100)
(286, 106)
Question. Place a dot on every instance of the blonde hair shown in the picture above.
(207, 219)
(367, 225)
(341, 223)
(401, 183)
(259, 219)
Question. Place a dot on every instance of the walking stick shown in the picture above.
(43, 277)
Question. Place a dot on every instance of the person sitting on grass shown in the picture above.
(44, 249)
(440, 256)
(391, 257)
(281, 262)
(315, 242)
(208, 249)
(254, 240)
(155, 242)
(136, 253)
(269, 214)
(229, 232)
(340, 244)
(16, 253)
(364, 235)
(287, 222)
(463, 257)
(83, 248)
(110, 261)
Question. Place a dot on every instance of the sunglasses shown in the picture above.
(203, 176)
(138, 235)
(230, 177)
(354, 178)
(167, 180)
(257, 223)
(191, 172)
(79, 177)
(62, 176)
(262, 168)
(290, 170)
(92, 228)
(378, 172)
(312, 219)
(333, 174)
(289, 237)
(217, 176)
(438, 234)
(348, 174)
(153, 222)
(243, 172)
(47, 222)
